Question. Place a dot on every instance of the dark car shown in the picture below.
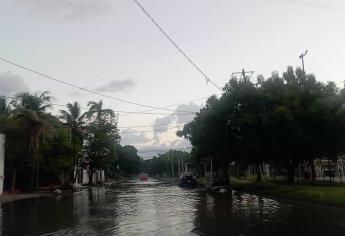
(187, 180)
(329, 173)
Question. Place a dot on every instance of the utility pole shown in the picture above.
(243, 74)
(302, 58)
(2, 161)
(172, 166)
(178, 164)
(182, 165)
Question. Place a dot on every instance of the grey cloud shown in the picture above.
(161, 124)
(68, 9)
(11, 84)
(76, 94)
(133, 138)
(185, 117)
(177, 117)
(153, 150)
(117, 86)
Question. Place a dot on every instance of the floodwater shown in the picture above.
(161, 208)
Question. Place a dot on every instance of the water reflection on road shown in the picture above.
(161, 208)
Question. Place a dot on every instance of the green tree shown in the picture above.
(32, 110)
(101, 137)
(129, 161)
(286, 120)
(168, 163)
(74, 119)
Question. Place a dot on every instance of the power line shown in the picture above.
(175, 44)
(176, 104)
(84, 89)
(161, 150)
(129, 127)
(120, 111)
(141, 126)
(148, 131)
(328, 62)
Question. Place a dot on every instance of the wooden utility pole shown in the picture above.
(2, 161)
(302, 58)
(172, 166)
(182, 165)
(243, 74)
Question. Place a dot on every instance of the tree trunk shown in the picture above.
(33, 171)
(329, 170)
(90, 177)
(258, 173)
(273, 172)
(74, 167)
(77, 170)
(37, 180)
(291, 172)
(225, 168)
(13, 182)
(313, 175)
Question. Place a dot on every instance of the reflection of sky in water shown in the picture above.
(135, 208)
(155, 208)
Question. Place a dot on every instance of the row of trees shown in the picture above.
(170, 163)
(40, 145)
(283, 120)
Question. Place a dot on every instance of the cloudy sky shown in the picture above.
(111, 47)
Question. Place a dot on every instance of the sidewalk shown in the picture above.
(335, 179)
(14, 197)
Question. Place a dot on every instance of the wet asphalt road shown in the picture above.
(162, 208)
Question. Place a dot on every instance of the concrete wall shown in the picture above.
(2, 161)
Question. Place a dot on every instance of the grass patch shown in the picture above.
(330, 194)
(201, 181)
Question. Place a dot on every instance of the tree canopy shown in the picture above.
(283, 119)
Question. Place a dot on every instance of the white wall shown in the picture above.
(98, 176)
(2, 161)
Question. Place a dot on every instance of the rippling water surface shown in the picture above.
(161, 208)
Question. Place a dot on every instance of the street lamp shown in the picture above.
(302, 58)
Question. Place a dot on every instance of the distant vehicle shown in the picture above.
(187, 180)
(329, 173)
(143, 177)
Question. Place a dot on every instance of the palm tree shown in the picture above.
(31, 108)
(3, 113)
(96, 108)
(6, 126)
(75, 121)
(3, 106)
(101, 134)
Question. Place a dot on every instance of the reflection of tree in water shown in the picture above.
(234, 213)
(37, 216)
(213, 214)
(95, 211)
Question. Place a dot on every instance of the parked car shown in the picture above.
(187, 180)
(143, 177)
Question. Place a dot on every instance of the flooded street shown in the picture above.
(162, 208)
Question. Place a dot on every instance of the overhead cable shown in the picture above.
(84, 89)
(175, 44)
